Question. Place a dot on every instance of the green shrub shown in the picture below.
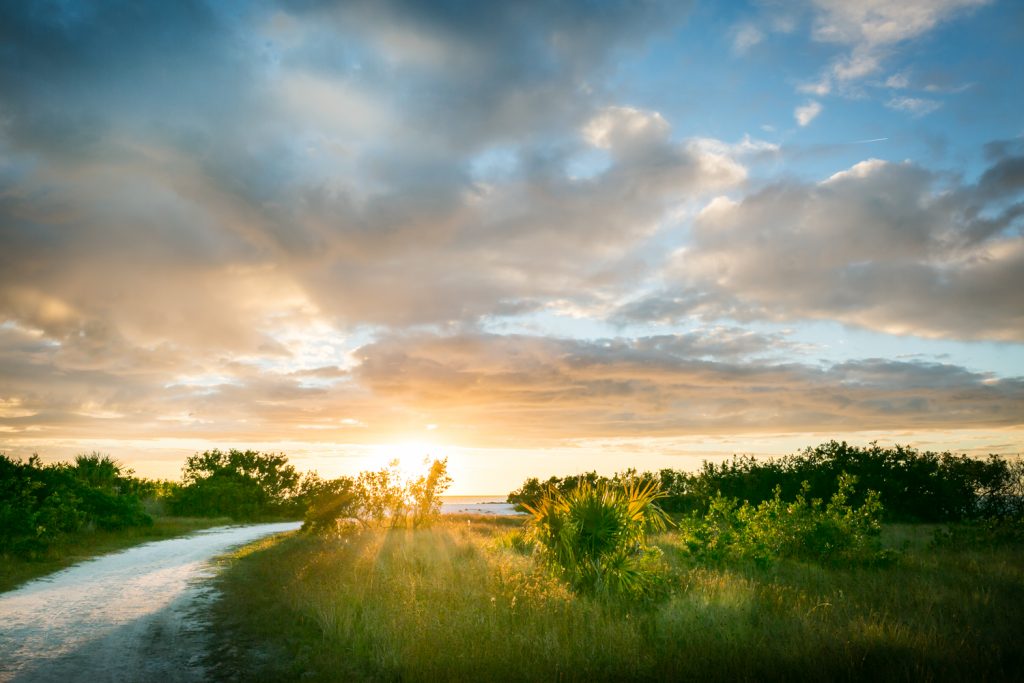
(833, 533)
(915, 486)
(42, 504)
(595, 536)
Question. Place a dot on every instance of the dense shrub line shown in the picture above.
(912, 485)
(41, 504)
(804, 529)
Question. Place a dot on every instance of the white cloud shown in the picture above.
(882, 22)
(917, 106)
(807, 113)
(746, 36)
(858, 64)
(626, 127)
(898, 81)
(746, 146)
(873, 28)
(820, 87)
(886, 246)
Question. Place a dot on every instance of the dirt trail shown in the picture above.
(132, 616)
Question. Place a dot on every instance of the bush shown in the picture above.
(239, 484)
(594, 536)
(379, 498)
(329, 504)
(836, 533)
(913, 485)
(41, 504)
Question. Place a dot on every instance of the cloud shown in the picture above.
(313, 164)
(885, 246)
(487, 390)
(542, 388)
(626, 129)
(164, 249)
(745, 36)
(871, 24)
(228, 222)
(898, 81)
(806, 113)
(872, 30)
(917, 106)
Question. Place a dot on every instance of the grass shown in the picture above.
(462, 601)
(17, 570)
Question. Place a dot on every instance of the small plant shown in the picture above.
(595, 537)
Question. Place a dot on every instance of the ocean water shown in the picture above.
(476, 505)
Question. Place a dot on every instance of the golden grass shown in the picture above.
(458, 603)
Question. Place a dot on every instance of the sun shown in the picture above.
(413, 457)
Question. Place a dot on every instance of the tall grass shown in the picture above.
(463, 602)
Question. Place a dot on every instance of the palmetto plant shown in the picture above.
(595, 535)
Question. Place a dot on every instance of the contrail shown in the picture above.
(862, 142)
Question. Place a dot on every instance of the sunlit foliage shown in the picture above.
(595, 536)
(465, 600)
(379, 498)
(802, 528)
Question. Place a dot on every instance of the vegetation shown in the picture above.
(466, 600)
(778, 569)
(595, 537)
(42, 505)
(380, 498)
(790, 580)
(836, 533)
(911, 485)
(240, 484)
(54, 514)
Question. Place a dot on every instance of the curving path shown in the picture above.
(135, 615)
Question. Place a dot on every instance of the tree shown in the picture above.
(241, 484)
(381, 496)
(426, 491)
(328, 501)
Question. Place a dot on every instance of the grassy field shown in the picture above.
(458, 602)
(16, 570)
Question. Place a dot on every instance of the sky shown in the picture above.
(534, 238)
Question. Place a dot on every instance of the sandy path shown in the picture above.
(131, 616)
